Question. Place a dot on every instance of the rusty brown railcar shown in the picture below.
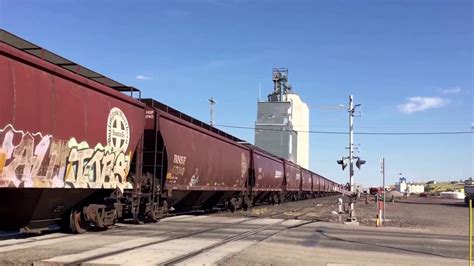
(202, 167)
(63, 136)
(269, 179)
(293, 180)
(307, 181)
(325, 185)
(316, 184)
(322, 185)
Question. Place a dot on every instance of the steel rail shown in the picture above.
(231, 239)
(81, 261)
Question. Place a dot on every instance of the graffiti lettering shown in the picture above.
(34, 160)
(96, 167)
(178, 170)
(24, 164)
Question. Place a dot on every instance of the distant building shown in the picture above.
(401, 186)
(415, 189)
(411, 188)
(283, 122)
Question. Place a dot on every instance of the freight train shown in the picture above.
(78, 149)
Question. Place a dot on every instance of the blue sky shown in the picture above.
(409, 63)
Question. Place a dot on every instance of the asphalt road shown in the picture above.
(190, 240)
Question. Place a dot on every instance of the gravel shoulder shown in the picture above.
(436, 215)
(418, 231)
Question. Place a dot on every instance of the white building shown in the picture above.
(401, 186)
(283, 122)
(411, 188)
(415, 189)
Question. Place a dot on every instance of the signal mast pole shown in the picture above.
(351, 151)
(353, 193)
(351, 110)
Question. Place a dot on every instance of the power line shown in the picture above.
(458, 127)
(357, 133)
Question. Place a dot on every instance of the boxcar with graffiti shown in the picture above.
(62, 138)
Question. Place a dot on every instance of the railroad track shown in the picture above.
(216, 210)
(10, 240)
(182, 229)
(123, 228)
(170, 238)
(288, 215)
(238, 237)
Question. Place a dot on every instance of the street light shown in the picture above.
(212, 102)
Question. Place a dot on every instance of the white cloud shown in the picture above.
(452, 90)
(417, 104)
(143, 77)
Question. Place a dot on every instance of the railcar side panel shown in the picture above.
(293, 177)
(198, 160)
(307, 182)
(268, 172)
(316, 182)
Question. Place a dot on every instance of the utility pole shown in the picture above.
(212, 102)
(353, 193)
(351, 109)
(382, 168)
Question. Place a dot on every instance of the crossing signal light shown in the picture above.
(359, 163)
(342, 163)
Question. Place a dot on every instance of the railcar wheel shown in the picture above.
(245, 203)
(77, 223)
(233, 204)
(275, 200)
(165, 208)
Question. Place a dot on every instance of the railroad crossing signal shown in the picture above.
(343, 163)
(359, 163)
